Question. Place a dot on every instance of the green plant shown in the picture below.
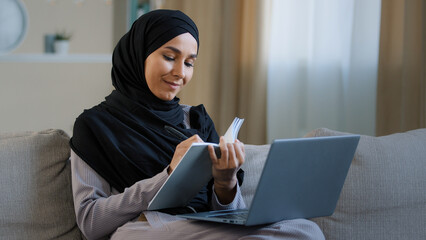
(63, 35)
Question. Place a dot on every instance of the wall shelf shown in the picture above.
(56, 58)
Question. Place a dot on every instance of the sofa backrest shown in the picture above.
(36, 197)
(384, 195)
(253, 166)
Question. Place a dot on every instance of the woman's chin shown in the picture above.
(167, 97)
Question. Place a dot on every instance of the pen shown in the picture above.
(175, 132)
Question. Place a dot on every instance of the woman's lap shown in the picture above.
(163, 226)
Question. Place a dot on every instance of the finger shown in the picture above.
(223, 160)
(232, 161)
(188, 142)
(239, 152)
(182, 147)
(195, 138)
(212, 154)
(241, 144)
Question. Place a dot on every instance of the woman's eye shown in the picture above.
(168, 58)
(188, 64)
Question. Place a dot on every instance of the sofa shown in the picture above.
(384, 195)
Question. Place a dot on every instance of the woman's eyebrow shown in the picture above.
(179, 52)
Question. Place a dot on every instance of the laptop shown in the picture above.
(301, 178)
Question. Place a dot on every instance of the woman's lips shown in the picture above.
(172, 84)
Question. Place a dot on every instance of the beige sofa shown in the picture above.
(384, 196)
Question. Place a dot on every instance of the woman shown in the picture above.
(122, 152)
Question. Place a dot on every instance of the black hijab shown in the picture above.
(123, 139)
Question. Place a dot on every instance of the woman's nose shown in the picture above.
(179, 70)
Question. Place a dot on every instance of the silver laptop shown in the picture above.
(302, 178)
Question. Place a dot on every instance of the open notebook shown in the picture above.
(191, 174)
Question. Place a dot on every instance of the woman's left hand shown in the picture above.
(225, 168)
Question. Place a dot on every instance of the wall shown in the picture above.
(90, 23)
(36, 96)
(39, 95)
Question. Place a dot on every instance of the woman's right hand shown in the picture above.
(181, 149)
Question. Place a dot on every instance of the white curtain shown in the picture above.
(322, 66)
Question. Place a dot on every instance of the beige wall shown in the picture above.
(91, 25)
(40, 95)
(36, 96)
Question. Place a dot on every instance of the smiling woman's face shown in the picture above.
(169, 68)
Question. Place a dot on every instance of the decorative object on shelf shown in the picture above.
(61, 44)
(49, 41)
(13, 24)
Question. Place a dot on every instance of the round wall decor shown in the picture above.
(13, 25)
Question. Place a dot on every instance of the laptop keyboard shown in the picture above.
(234, 216)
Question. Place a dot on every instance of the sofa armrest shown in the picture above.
(36, 197)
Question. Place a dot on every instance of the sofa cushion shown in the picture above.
(253, 165)
(36, 196)
(384, 195)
